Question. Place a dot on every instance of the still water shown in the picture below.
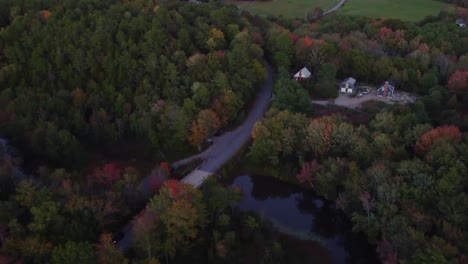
(314, 224)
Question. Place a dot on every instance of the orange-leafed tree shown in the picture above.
(197, 135)
(450, 133)
(180, 209)
(227, 106)
(107, 252)
(205, 125)
(319, 133)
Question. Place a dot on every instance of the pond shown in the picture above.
(307, 221)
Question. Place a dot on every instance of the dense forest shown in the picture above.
(399, 173)
(94, 73)
(462, 3)
(77, 77)
(82, 75)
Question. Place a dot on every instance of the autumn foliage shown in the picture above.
(319, 133)
(307, 172)
(46, 14)
(458, 82)
(106, 175)
(205, 125)
(166, 168)
(177, 190)
(450, 133)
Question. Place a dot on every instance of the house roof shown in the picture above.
(303, 73)
(350, 80)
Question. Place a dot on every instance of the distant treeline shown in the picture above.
(462, 3)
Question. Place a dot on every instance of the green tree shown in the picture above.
(281, 134)
(227, 106)
(326, 86)
(107, 253)
(289, 95)
(74, 252)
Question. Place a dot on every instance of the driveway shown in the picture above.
(355, 102)
(223, 148)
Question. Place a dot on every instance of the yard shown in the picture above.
(409, 10)
(286, 8)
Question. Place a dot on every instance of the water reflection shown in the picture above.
(302, 214)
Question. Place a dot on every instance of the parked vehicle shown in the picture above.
(117, 237)
(219, 133)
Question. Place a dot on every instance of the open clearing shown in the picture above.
(286, 8)
(409, 10)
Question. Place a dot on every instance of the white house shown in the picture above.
(460, 22)
(304, 73)
(387, 89)
(348, 85)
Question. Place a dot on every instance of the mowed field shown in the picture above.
(286, 8)
(408, 10)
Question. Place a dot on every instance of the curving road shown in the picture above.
(223, 148)
(335, 8)
(227, 145)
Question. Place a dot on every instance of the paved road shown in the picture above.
(223, 148)
(227, 145)
(331, 10)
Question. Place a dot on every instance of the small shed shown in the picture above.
(460, 22)
(348, 85)
(304, 73)
(387, 89)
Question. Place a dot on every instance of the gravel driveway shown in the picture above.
(355, 102)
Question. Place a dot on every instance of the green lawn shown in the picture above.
(287, 8)
(409, 10)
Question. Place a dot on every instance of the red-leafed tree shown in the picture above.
(458, 82)
(166, 168)
(450, 133)
(105, 176)
(306, 176)
(111, 172)
(293, 37)
(174, 189)
(386, 252)
(424, 47)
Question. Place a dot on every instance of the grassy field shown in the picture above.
(287, 8)
(409, 10)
